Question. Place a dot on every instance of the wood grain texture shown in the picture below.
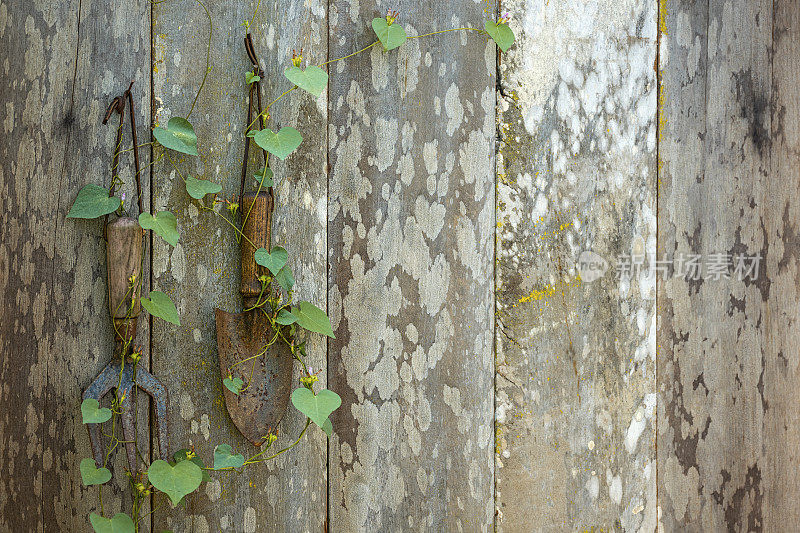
(203, 271)
(728, 348)
(58, 76)
(576, 356)
(411, 217)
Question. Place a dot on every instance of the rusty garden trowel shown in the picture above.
(260, 405)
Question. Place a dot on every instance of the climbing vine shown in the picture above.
(290, 320)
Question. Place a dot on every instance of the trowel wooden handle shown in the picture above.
(257, 228)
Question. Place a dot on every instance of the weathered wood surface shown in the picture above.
(402, 243)
(411, 215)
(202, 272)
(728, 348)
(58, 75)
(576, 357)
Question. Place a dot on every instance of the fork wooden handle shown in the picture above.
(124, 265)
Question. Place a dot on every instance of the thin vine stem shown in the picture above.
(238, 231)
(122, 151)
(208, 57)
(292, 445)
(260, 186)
(223, 217)
(266, 109)
(253, 369)
(265, 112)
(156, 508)
(356, 53)
(248, 22)
(348, 55)
(445, 31)
(262, 352)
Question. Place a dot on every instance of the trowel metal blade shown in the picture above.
(261, 405)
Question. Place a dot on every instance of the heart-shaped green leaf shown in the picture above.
(265, 179)
(158, 304)
(318, 407)
(500, 34)
(280, 144)
(224, 457)
(273, 261)
(163, 224)
(198, 188)
(121, 523)
(251, 77)
(285, 318)
(92, 475)
(233, 384)
(285, 278)
(175, 481)
(92, 412)
(390, 35)
(327, 427)
(312, 80)
(183, 455)
(178, 135)
(93, 201)
(312, 318)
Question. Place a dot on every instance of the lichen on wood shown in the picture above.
(575, 390)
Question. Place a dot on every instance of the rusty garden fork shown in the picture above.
(124, 253)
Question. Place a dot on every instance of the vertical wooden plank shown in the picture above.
(202, 272)
(61, 66)
(781, 382)
(728, 347)
(576, 171)
(410, 217)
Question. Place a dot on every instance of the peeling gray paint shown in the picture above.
(575, 405)
(410, 234)
(728, 382)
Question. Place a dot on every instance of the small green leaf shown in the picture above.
(273, 261)
(175, 481)
(312, 318)
(92, 475)
(121, 523)
(92, 412)
(500, 34)
(178, 135)
(93, 201)
(233, 384)
(163, 224)
(285, 278)
(285, 318)
(198, 188)
(327, 427)
(264, 180)
(316, 407)
(251, 77)
(183, 455)
(390, 35)
(252, 133)
(159, 304)
(224, 457)
(312, 80)
(279, 144)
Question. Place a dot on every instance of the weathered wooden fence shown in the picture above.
(436, 209)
